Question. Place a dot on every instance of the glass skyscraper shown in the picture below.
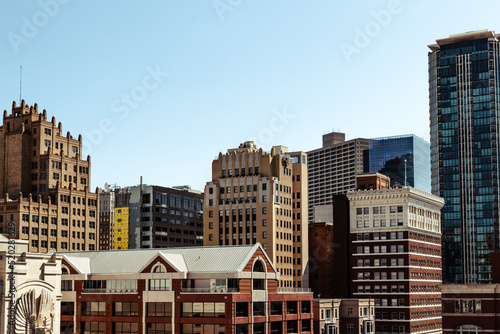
(464, 91)
(387, 156)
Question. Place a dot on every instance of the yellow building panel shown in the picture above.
(121, 227)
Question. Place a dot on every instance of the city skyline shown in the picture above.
(288, 65)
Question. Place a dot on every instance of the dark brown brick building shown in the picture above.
(44, 184)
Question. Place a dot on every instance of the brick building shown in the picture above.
(256, 196)
(396, 257)
(332, 316)
(321, 255)
(44, 184)
(220, 289)
(473, 308)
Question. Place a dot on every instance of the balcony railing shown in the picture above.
(96, 290)
(296, 290)
(210, 290)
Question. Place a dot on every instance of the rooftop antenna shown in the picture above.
(20, 83)
(405, 172)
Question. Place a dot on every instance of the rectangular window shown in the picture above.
(93, 327)
(125, 309)
(93, 308)
(159, 309)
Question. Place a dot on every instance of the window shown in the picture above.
(259, 308)
(199, 309)
(125, 328)
(159, 309)
(46, 143)
(276, 308)
(93, 308)
(66, 285)
(125, 309)
(93, 327)
(242, 309)
(264, 235)
(159, 285)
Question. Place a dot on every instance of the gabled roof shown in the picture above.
(210, 259)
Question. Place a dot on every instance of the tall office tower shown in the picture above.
(464, 80)
(256, 196)
(45, 186)
(403, 158)
(332, 170)
(396, 257)
(162, 217)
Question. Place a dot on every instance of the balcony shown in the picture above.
(294, 290)
(97, 290)
(210, 290)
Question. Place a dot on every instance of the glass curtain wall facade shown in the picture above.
(387, 156)
(464, 107)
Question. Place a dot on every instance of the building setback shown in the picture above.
(221, 289)
(464, 79)
(403, 158)
(332, 170)
(396, 257)
(44, 184)
(256, 196)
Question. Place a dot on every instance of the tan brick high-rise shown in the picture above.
(44, 185)
(256, 196)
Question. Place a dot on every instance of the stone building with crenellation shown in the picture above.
(44, 184)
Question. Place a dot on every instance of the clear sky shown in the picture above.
(159, 88)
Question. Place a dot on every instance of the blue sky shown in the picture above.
(159, 88)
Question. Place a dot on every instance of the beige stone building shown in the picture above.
(256, 196)
(44, 184)
(30, 289)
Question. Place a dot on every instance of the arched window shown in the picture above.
(468, 329)
(258, 267)
(159, 269)
(64, 271)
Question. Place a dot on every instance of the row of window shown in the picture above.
(380, 236)
(273, 307)
(379, 262)
(237, 171)
(380, 249)
(128, 328)
(379, 223)
(379, 210)
(64, 245)
(53, 233)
